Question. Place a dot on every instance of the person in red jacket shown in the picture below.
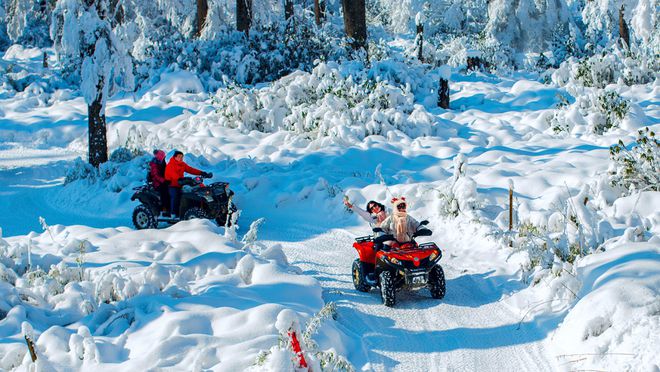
(174, 170)
(157, 179)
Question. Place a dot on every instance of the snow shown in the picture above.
(616, 314)
(574, 286)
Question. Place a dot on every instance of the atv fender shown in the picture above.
(366, 251)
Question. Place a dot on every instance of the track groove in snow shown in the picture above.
(470, 329)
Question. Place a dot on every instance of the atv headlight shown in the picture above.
(433, 255)
(394, 261)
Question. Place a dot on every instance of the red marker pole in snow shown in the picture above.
(296, 349)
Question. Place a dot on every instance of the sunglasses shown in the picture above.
(401, 206)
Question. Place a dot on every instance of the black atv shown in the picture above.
(197, 201)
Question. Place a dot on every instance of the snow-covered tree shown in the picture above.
(27, 21)
(526, 25)
(4, 38)
(87, 47)
(601, 19)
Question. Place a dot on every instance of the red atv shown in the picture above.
(403, 265)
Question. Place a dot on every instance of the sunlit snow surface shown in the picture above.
(187, 298)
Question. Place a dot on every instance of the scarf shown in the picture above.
(400, 219)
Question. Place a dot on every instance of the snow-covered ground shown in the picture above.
(194, 297)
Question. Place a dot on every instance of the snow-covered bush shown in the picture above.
(612, 65)
(459, 194)
(80, 170)
(284, 357)
(612, 108)
(577, 226)
(114, 175)
(638, 168)
(598, 110)
(124, 154)
(326, 102)
(268, 53)
(558, 122)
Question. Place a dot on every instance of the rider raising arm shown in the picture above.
(374, 212)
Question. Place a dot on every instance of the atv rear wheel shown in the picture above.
(221, 220)
(437, 285)
(359, 276)
(194, 212)
(144, 218)
(387, 291)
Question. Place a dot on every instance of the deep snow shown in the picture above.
(187, 297)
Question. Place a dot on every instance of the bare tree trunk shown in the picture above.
(116, 12)
(443, 94)
(96, 124)
(288, 10)
(624, 33)
(355, 22)
(420, 42)
(244, 15)
(98, 143)
(319, 11)
(202, 11)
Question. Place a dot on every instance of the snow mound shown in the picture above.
(182, 298)
(177, 82)
(618, 311)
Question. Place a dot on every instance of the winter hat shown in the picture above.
(159, 154)
(398, 200)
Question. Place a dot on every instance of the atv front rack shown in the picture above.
(364, 239)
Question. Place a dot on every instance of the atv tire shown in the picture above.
(387, 290)
(359, 280)
(194, 212)
(144, 218)
(437, 285)
(221, 220)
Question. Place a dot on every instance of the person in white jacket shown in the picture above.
(374, 213)
(400, 224)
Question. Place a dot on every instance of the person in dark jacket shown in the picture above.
(174, 170)
(158, 181)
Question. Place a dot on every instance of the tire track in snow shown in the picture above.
(469, 330)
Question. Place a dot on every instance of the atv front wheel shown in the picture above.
(194, 212)
(437, 285)
(387, 291)
(143, 218)
(359, 276)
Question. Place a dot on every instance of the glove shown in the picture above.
(207, 174)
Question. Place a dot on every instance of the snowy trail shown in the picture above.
(470, 329)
